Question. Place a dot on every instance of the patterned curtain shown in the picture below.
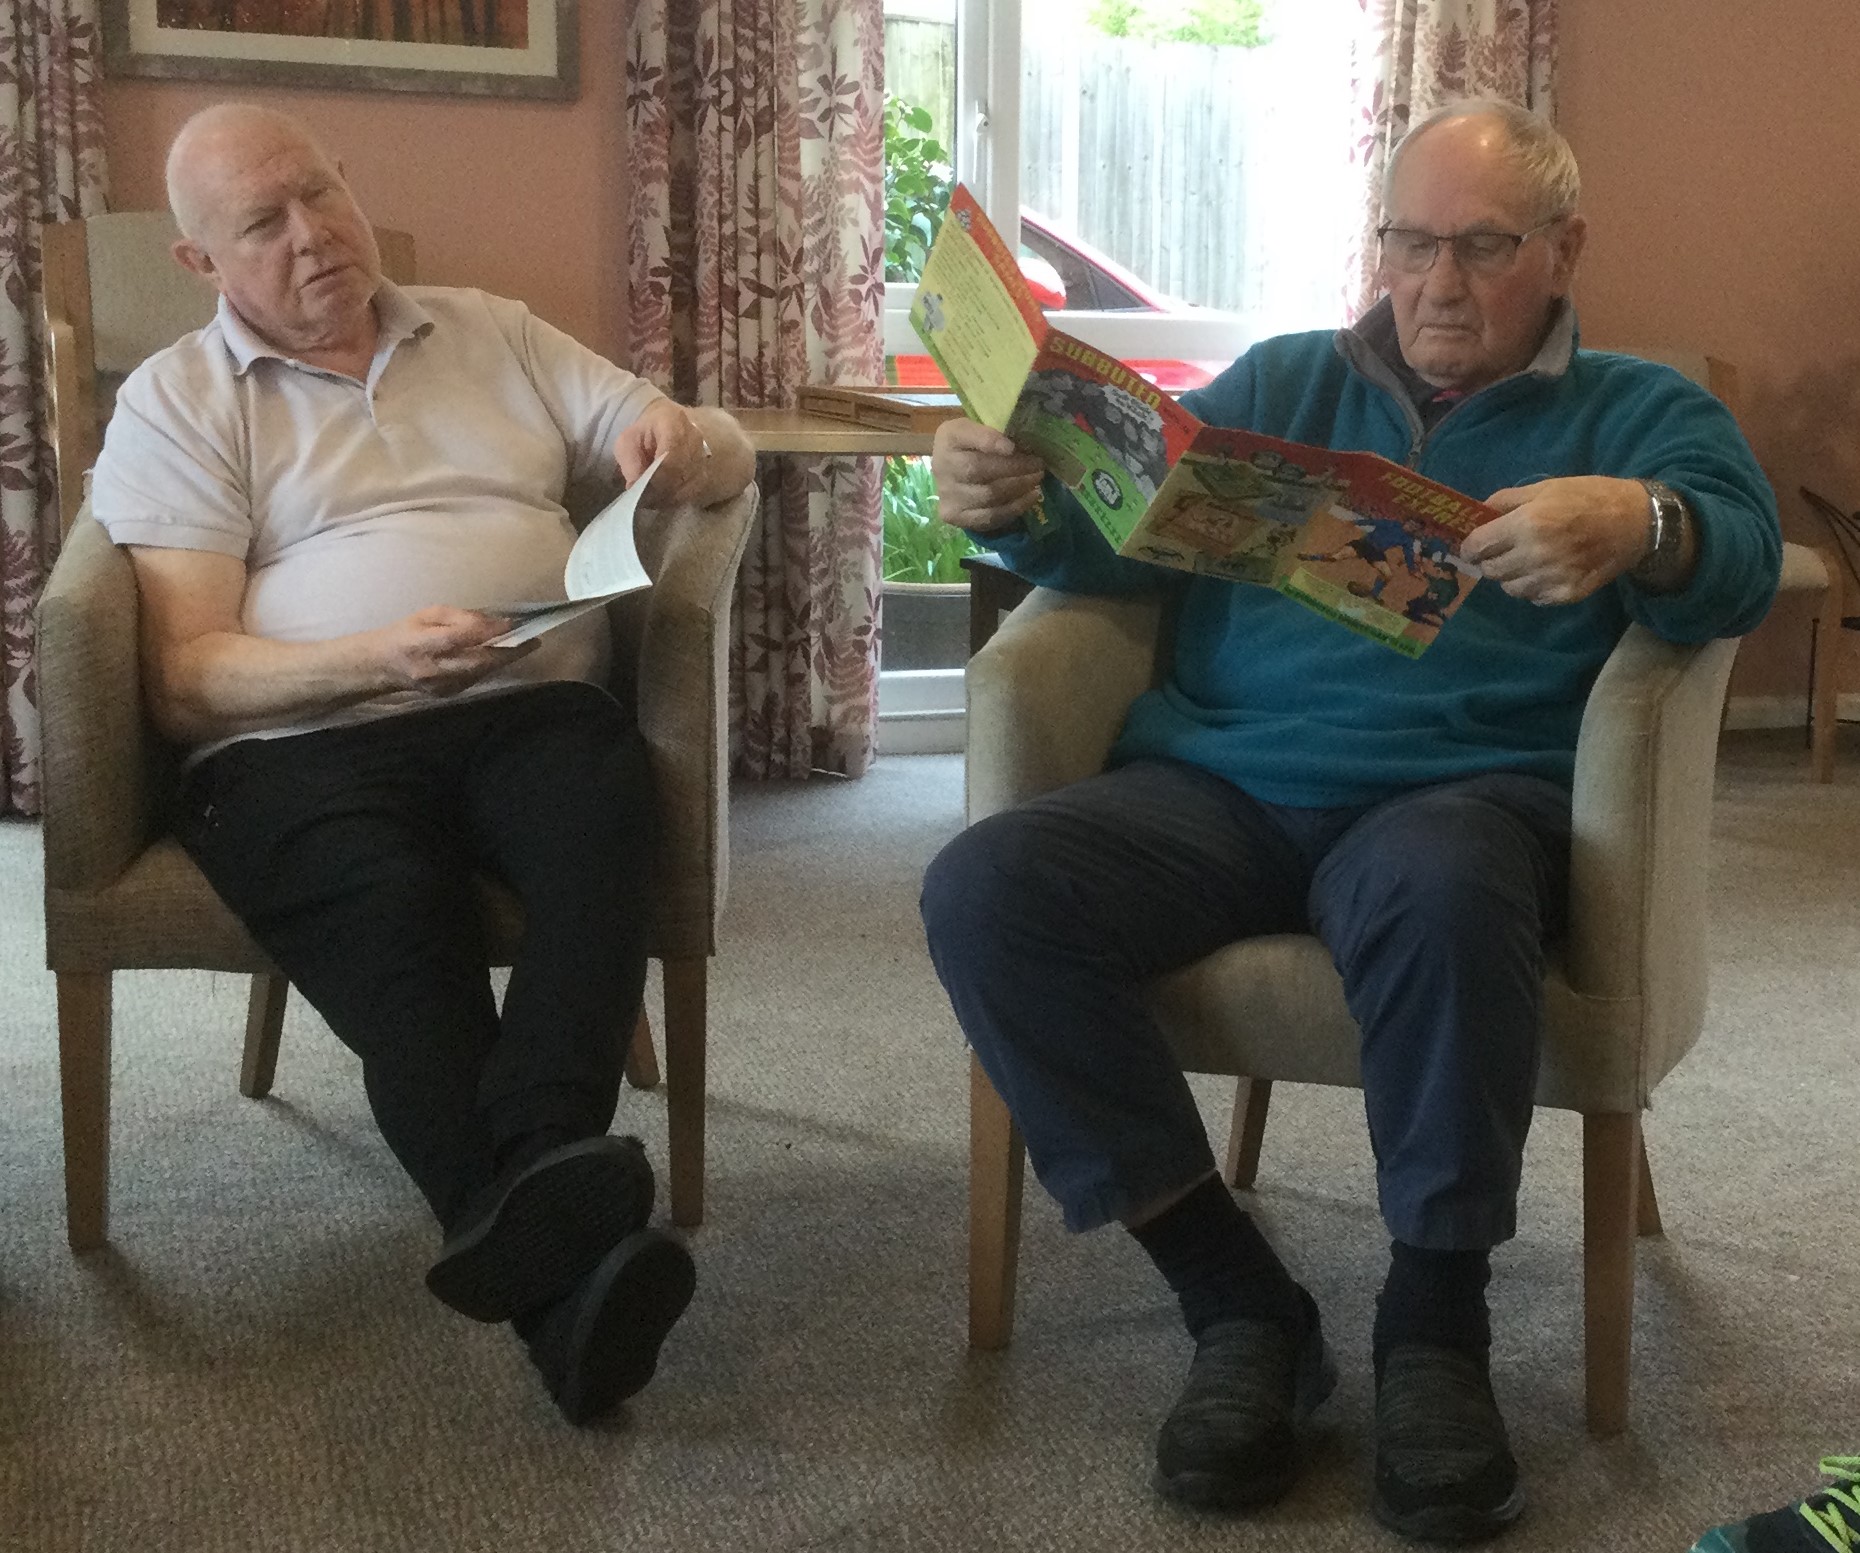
(51, 169)
(756, 264)
(1414, 56)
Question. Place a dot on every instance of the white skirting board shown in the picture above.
(1784, 711)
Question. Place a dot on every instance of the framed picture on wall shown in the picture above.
(488, 48)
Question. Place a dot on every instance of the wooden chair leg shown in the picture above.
(264, 1025)
(1824, 682)
(684, 1087)
(84, 1084)
(1611, 1147)
(1251, 1097)
(997, 1161)
(1648, 1212)
(642, 1062)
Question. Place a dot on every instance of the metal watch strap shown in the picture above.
(1667, 516)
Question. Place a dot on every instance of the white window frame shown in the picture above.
(987, 136)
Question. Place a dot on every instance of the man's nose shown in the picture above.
(1444, 277)
(307, 228)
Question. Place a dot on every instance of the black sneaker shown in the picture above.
(1230, 1442)
(600, 1344)
(535, 1232)
(1444, 1468)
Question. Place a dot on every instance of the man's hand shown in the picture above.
(441, 650)
(670, 429)
(983, 482)
(1558, 541)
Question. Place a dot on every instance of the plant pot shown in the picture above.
(924, 625)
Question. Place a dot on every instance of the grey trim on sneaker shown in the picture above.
(1444, 1468)
(539, 1231)
(1231, 1440)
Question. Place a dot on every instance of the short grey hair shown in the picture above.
(1543, 158)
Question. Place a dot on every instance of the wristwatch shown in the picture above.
(1658, 571)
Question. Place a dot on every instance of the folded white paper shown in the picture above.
(603, 565)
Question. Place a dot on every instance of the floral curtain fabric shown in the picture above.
(1414, 56)
(51, 169)
(755, 265)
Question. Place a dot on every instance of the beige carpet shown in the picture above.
(255, 1365)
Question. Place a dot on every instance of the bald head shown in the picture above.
(215, 141)
(266, 217)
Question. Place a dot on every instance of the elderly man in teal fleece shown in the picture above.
(1289, 776)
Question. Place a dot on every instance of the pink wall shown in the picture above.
(1717, 142)
(1716, 139)
(522, 198)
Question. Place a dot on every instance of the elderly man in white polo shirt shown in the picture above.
(315, 489)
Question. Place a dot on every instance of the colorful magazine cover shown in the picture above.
(1359, 539)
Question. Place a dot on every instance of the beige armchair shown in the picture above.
(1625, 994)
(120, 893)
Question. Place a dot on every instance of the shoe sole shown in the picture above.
(1222, 1491)
(633, 1301)
(1450, 1523)
(550, 1228)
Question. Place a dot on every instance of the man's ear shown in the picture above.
(1568, 250)
(196, 260)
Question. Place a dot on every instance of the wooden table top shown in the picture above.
(795, 431)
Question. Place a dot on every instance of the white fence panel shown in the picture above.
(1219, 175)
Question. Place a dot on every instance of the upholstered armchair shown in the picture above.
(1625, 993)
(120, 893)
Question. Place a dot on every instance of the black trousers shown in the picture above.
(349, 854)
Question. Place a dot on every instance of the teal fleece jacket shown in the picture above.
(1299, 711)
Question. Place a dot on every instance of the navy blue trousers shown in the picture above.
(1046, 921)
(349, 854)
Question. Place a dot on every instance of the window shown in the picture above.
(1180, 168)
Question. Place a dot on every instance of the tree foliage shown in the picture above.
(1233, 23)
(918, 180)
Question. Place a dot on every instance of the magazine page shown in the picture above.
(1384, 558)
(1361, 540)
(1105, 432)
(603, 565)
(975, 315)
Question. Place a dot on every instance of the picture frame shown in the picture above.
(223, 43)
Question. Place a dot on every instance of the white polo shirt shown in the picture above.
(438, 480)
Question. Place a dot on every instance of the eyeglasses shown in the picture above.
(1413, 252)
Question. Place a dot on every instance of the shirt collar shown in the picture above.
(1372, 346)
(398, 315)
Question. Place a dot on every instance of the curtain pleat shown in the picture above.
(1413, 56)
(51, 169)
(755, 265)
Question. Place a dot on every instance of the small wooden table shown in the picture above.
(795, 431)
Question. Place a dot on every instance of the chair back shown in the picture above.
(113, 295)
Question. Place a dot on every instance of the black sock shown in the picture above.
(1435, 1297)
(1220, 1266)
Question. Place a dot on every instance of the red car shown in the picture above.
(1067, 274)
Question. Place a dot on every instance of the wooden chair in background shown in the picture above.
(121, 894)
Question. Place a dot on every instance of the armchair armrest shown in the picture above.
(676, 640)
(1642, 817)
(100, 762)
(1049, 692)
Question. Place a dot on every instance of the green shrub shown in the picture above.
(919, 546)
(1233, 23)
(918, 180)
